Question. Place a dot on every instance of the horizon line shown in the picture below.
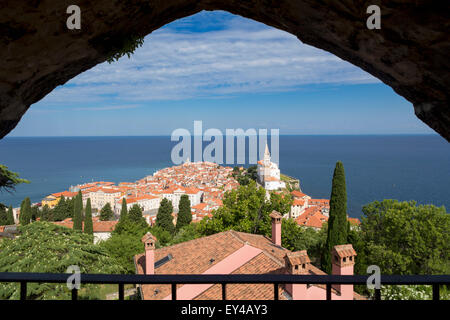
(294, 134)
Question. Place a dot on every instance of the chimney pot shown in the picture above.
(276, 227)
(297, 263)
(343, 261)
(149, 242)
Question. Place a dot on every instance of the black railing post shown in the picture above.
(378, 294)
(23, 290)
(174, 291)
(74, 294)
(224, 291)
(328, 291)
(121, 292)
(435, 292)
(275, 291)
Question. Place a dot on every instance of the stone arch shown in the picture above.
(408, 53)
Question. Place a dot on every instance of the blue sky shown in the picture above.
(229, 72)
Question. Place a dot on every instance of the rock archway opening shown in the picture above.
(408, 53)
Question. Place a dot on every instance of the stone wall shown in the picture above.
(409, 52)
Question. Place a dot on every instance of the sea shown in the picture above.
(377, 167)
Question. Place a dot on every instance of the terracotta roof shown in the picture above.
(248, 291)
(98, 226)
(354, 221)
(199, 255)
(311, 217)
(275, 215)
(298, 257)
(344, 250)
(298, 202)
(297, 194)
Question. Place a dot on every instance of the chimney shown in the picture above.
(342, 261)
(276, 227)
(149, 242)
(297, 263)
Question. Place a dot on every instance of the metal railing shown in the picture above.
(276, 279)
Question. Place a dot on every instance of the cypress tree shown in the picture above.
(25, 212)
(184, 212)
(164, 217)
(59, 212)
(88, 226)
(135, 215)
(47, 214)
(35, 213)
(106, 213)
(3, 215)
(123, 210)
(10, 216)
(77, 212)
(337, 221)
(22, 205)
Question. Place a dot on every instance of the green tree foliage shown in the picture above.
(337, 222)
(78, 212)
(186, 233)
(404, 238)
(252, 172)
(10, 216)
(88, 226)
(106, 214)
(48, 248)
(123, 210)
(125, 45)
(25, 212)
(244, 177)
(246, 209)
(164, 237)
(64, 209)
(135, 215)
(35, 213)
(9, 179)
(47, 214)
(295, 238)
(164, 218)
(184, 212)
(3, 216)
(125, 242)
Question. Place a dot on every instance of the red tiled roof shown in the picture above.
(98, 226)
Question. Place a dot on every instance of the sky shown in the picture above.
(229, 72)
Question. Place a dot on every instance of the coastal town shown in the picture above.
(205, 184)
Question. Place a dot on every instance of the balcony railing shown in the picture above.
(276, 279)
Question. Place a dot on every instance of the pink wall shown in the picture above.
(226, 266)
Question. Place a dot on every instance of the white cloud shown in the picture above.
(246, 57)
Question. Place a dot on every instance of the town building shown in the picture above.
(312, 213)
(268, 173)
(102, 229)
(232, 252)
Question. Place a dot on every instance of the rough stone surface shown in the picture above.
(409, 52)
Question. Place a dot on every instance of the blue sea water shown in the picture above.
(403, 167)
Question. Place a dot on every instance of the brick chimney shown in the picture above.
(149, 242)
(276, 227)
(297, 263)
(342, 261)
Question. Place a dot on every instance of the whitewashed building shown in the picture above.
(269, 173)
